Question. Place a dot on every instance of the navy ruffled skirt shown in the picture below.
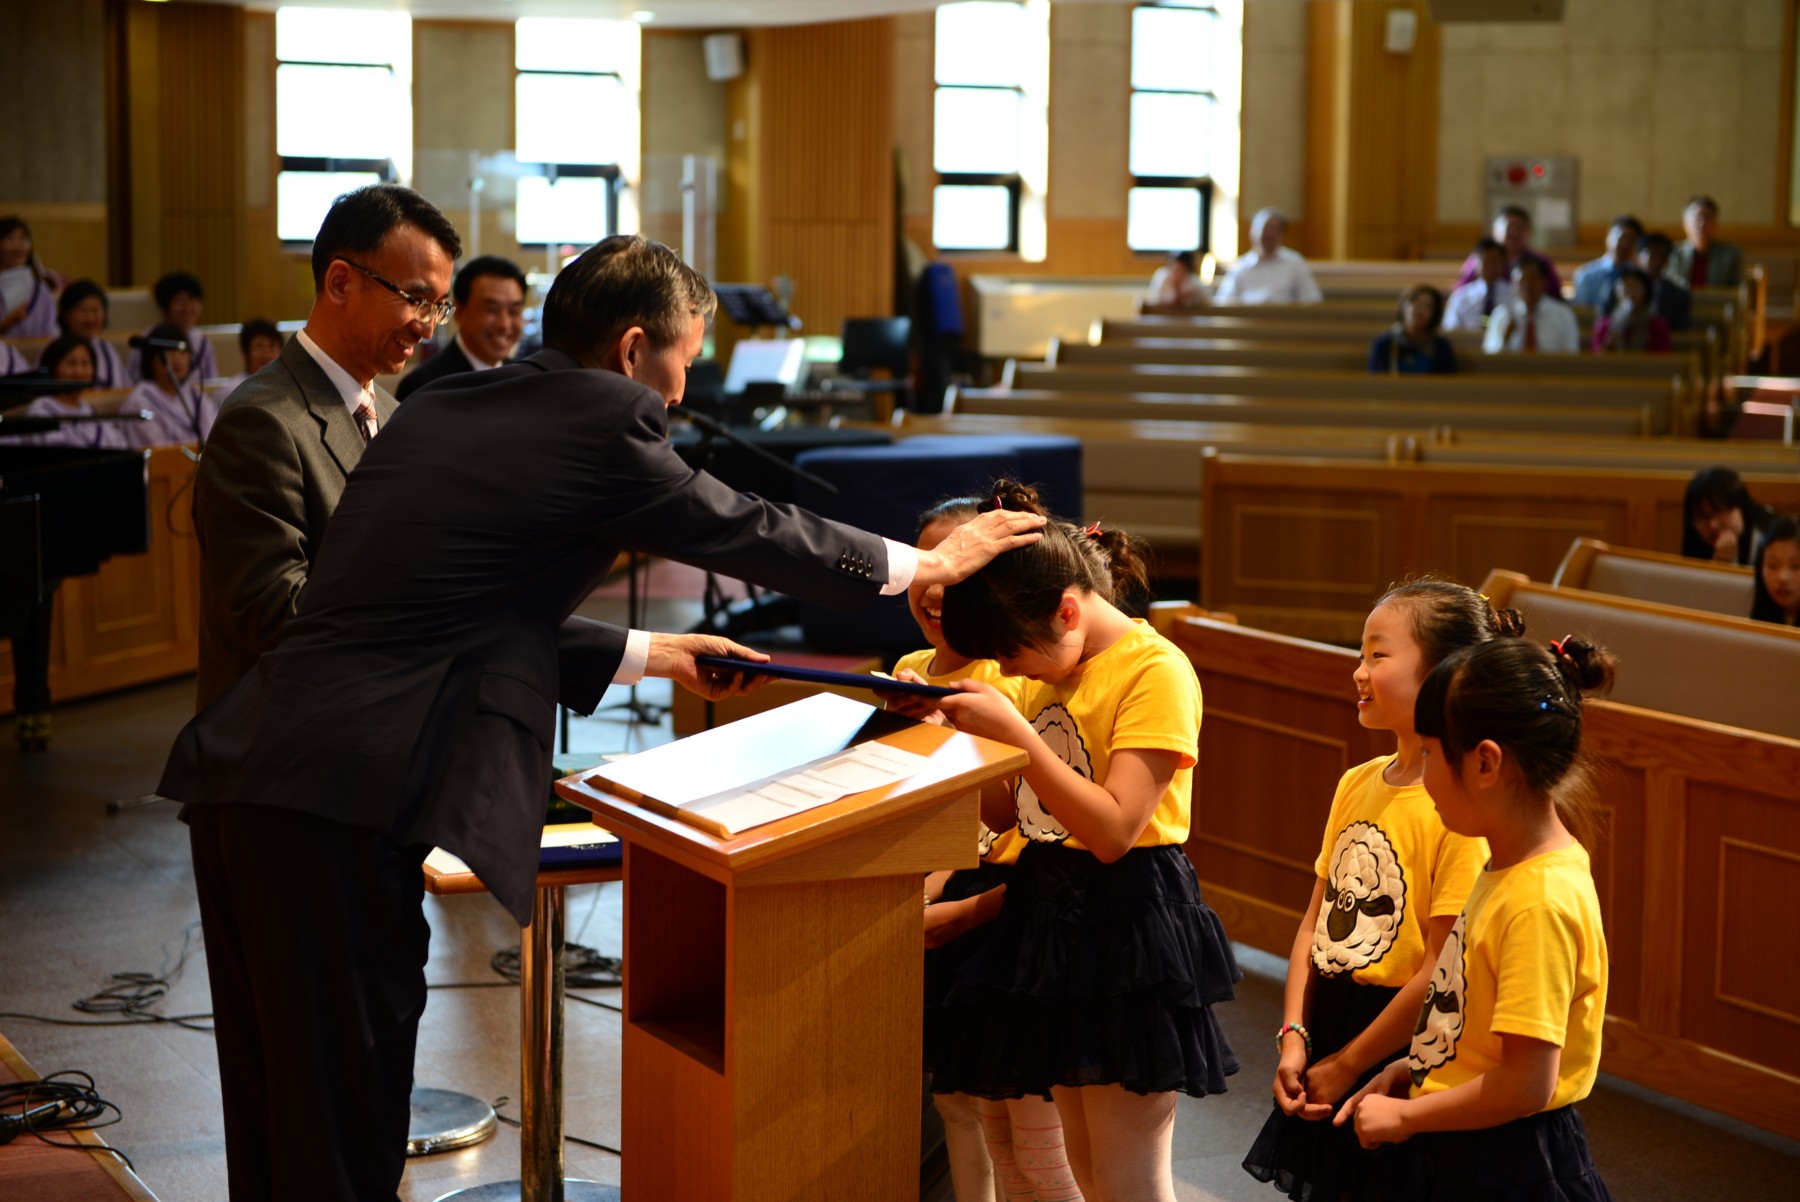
(1313, 1161)
(1094, 974)
(1539, 1158)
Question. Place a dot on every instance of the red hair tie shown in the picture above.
(998, 504)
(1093, 531)
(1556, 645)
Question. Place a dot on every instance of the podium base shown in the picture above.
(574, 1190)
(443, 1119)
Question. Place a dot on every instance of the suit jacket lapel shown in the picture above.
(336, 430)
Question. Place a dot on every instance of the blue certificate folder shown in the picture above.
(849, 680)
(602, 848)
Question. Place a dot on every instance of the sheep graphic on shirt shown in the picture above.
(1440, 1022)
(1365, 901)
(984, 843)
(1056, 726)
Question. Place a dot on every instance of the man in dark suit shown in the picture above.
(286, 439)
(490, 316)
(412, 700)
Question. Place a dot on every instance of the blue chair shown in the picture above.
(884, 489)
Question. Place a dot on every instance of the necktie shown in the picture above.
(365, 420)
(1530, 330)
(1697, 278)
(1487, 297)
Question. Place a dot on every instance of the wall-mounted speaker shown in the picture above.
(724, 55)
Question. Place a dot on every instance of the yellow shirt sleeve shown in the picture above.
(1160, 711)
(1537, 975)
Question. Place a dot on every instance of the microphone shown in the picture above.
(141, 342)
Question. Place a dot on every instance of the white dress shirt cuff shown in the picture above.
(636, 658)
(903, 565)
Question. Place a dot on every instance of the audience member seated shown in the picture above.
(27, 287)
(82, 310)
(176, 403)
(1699, 260)
(12, 363)
(1720, 520)
(1512, 229)
(1629, 325)
(1271, 274)
(1594, 279)
(71, 358)
(489, 296)
(1412, 346)
(1471, 304)
(180, 297)
(1531, 321)
(1174, 283)
(1777, 581)
(260, 341)
(1669, 297)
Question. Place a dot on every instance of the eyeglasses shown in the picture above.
(428, 311)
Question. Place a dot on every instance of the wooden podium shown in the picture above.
(774, 980)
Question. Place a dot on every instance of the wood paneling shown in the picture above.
(1371, 133)
(137, 620)
(183, 115)
(810, 171)
(1695, 843)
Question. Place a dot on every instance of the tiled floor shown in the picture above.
(84, 894)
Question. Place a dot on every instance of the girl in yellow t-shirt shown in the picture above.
(1018, 1140)
(1390, 881)
(1508, 1038)
(1097, 981)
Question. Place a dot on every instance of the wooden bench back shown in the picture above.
(1709, 666)
(1660, 398)
(1598, 567)
(1619, 418)
(1304, 546)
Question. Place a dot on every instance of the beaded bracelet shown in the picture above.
(1282, 1031)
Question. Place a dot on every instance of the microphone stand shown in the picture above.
(713, 602)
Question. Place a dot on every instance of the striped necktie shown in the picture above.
(365, 420)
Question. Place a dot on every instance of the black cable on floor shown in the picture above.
(65, 1101)
(131, 995)
(583, 967)
(568, 1139)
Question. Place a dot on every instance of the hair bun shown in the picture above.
(1587, 668)
(1022, 498)
(1509, 623)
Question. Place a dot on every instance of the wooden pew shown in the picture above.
(1699, 829)
(1714, 667)
(1619, 419)
(1658, 401)
(1706, 342)
(1597, 567)
(1303, 546)
(1682, 372)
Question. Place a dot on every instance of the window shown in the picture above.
(576, 131)
(1186, 77)
(343, 109)
(990, 138)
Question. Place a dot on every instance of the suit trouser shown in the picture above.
(316, 942)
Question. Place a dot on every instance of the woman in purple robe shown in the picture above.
(27, 288)
(82, 310)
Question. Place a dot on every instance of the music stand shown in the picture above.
(754, 306)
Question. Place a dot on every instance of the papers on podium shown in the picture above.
(762, 768)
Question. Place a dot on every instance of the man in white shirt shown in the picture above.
(490, 316)
(1531, 321)
(1271, 274)
(1470, 306)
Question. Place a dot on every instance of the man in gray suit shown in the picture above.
(285, 441)
(1700, 260)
